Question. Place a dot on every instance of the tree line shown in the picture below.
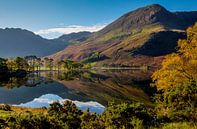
(33, 63)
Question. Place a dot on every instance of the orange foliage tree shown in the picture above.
(179, 67)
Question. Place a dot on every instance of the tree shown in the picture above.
(177, 68)
(11, 64)
(48, 63)
(31, 61)
(68, 64)
(60, 64)
(21, 63)
(177, 81)
(3, 66)
(38, 63)
(77, 65)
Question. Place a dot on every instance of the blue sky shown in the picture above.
(45, 16)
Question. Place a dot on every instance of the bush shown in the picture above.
(67, 113)
(126, 116)
(183, 125)
(55, 108)
(178, 103)
(120, 116)
(30, 121)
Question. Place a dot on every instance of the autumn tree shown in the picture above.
(38, 64)
(31, 62)
(48, 63)
(179, 67)
(21, 63)
(11, 64)
(177, 81)
(60, 64)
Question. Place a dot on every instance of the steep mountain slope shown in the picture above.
(139, 37)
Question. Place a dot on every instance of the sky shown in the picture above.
(52, 18)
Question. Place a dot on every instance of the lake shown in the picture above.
(92, 90)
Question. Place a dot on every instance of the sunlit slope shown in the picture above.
(139, 36)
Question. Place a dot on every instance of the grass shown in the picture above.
(5, 114)
(135, 31)
(113, 35)
(24, 109)
(180, 125)
(17, 110)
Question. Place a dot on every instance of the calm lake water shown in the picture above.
(87, 89)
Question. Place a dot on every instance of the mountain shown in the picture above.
(18, 42)
(74, 37)
(140, 37)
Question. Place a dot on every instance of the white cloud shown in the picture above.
(55, 32)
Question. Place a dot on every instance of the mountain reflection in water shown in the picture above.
(97, 87)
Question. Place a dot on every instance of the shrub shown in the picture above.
(178, 103)
(126, 116)
(182, 125)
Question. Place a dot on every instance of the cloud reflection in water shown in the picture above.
(45, 100)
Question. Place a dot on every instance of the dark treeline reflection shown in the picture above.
(29, 80)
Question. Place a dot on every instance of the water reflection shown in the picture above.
(81, 86)
(46, 100)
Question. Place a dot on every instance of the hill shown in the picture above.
(140, 37)
(18, 42)
(74, 37)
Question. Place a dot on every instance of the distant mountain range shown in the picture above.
(74, 37)
(142, 36)
(18, 42)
